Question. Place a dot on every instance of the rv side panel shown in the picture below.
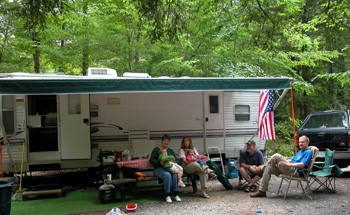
(177, 114)
(241, 117)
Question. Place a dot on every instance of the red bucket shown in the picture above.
(131, 207)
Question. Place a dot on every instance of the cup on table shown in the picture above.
(109, 177)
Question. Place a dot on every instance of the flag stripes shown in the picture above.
(266, 129)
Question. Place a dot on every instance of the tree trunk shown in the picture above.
(36, 54)
(85, 59)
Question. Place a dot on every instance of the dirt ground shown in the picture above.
(236, 201)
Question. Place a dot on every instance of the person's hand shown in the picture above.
(256, 170)
(253, 168)
(283, 164)
(205, 158)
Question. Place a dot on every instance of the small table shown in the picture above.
(141, 164)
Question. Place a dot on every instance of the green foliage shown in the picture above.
(284, 142)
(279, 146)
(342, 78)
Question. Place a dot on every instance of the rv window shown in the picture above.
(242, 112)
(8, 113)
(214, 104)
(36, 104)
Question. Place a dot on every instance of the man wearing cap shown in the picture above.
(249, 161)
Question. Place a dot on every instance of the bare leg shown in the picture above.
(245, 175)
(179, 175)
(255, 179)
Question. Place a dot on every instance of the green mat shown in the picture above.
(80, 201)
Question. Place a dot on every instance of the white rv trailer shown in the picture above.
(63, 121)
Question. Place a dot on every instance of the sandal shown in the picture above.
(252, 188)
(247, 189)
(213, 175)
(206, 196)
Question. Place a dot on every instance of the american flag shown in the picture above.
(266, 129)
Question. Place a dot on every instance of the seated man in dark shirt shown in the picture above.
(249, 161)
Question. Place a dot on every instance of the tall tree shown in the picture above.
(35, 13)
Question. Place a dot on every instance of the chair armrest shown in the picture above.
(319, 162)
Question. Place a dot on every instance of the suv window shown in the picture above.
(330, 120)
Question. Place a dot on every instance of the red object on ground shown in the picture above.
(131, 207)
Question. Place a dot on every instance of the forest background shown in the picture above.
(306, 40)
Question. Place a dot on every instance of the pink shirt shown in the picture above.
(193, 158)
(183, 155)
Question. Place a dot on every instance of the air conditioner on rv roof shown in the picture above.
(101, 72)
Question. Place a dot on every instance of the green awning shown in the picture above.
(83, 84)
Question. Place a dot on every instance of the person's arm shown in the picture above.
(171, 152)
(304, 162)
(287, 164)
(242, 161)
(167, 158)
(182, 157)
(154, 159)
(261, 160)
(200, 157)
(245, 166)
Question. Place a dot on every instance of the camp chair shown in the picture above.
(299, 179)
(325, 175)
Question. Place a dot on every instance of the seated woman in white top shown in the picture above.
(192, 167)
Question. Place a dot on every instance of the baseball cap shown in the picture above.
(251, 142)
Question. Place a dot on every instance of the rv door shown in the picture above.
(213, 119)
(74, 126)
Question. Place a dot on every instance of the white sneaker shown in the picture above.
(177, 198)
(168, 199)
(181, 184)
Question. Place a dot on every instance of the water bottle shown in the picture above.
(114, 211)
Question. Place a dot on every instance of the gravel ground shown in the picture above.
(236, 201)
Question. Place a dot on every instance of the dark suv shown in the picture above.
(329, 129)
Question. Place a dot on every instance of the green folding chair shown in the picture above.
(324, 177)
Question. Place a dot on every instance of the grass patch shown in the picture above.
(80, 201)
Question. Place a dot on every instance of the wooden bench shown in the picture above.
(26, 194)
(192, 178)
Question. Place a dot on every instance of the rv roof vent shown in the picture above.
(136, 75)
(101, 72)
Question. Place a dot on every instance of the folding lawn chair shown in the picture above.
(302, 178)
(324, 177)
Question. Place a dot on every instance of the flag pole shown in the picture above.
(293, 120)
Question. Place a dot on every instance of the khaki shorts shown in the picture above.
(251, 174)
